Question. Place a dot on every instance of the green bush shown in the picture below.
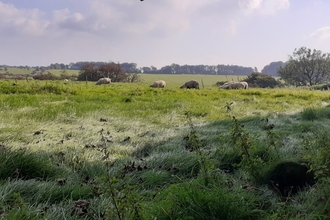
(262, 80)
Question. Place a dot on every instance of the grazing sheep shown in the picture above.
(246, 85)
(233, 85)
(103, 81)
(158, 84)
(192, 84)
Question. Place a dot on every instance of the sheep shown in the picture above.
(234, 85)
(158, 84)
(192, 84)
(246, 85)
(103, 81)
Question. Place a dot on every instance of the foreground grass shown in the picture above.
(132, 152)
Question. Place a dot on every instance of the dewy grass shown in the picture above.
(84, 133)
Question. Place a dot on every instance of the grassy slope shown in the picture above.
(81, 120)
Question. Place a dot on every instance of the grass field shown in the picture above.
(178, 80)
(25, 71)
(74, 150)
(20, 71)
(171, 79)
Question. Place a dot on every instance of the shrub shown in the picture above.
(90, 72)
(48, 76)
(262, 80)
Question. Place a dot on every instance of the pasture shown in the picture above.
(179, 79)
(75, 150)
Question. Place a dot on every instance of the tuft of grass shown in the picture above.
(195, 201)
(309, 114)
(21, 164)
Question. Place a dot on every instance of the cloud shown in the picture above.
(264, 7)
(27, 22)
(321, 34)
(122, 19)
(64, 19)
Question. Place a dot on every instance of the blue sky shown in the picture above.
(250, 33)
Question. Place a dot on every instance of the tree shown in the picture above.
(113, 71)
(306, 67)
(90, 72)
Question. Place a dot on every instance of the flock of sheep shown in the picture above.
(192, 84)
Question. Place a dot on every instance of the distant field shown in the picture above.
(171, 79)
(174, 79)
(17, 70)
(58, 72)
(30, 70)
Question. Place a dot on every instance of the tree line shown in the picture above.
(169, 69)
(305, 67)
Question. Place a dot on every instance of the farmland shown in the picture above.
(74, 150)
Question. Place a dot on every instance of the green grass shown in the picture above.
(20, 71)
(125, 149)
(180, 79)
(25, 71)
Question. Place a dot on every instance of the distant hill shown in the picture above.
(272, 68)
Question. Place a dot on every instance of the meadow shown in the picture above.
(74, 150)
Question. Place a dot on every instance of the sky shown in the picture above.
(250, 33)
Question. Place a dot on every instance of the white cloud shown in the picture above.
(321, 33)
(264, 7)
(28, 22)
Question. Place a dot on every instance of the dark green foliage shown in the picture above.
(262, 80)
(21, 164)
